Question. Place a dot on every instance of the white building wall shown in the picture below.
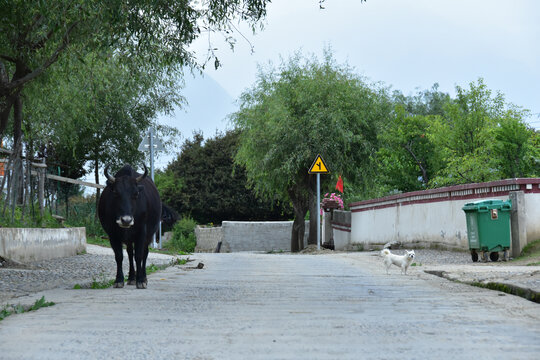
(532, 216)
(428, 224)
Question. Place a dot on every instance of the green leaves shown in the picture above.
(300, 109)
(435, 141)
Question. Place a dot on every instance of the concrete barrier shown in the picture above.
(341, 229)
(208, 239)
(34, 244)
(247, 236)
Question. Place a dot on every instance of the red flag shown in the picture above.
(339, 185)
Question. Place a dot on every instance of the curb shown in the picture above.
(511, 289)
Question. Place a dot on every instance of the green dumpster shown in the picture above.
(488, 228)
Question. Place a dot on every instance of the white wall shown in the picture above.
(34, 244)
(532, 216)
(440, 223)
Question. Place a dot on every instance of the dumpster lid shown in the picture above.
(488, 204)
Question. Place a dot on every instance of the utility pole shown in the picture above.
(152, 144)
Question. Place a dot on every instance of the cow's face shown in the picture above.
(126, 192)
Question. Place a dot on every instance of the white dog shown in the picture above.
(401, 261)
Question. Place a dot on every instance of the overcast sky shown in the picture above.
(408, 45)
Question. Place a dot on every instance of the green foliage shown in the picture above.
(434, 140)
(304, 108)
(407, 158)
(475, 131)
(102, 283)
(97, 118)
(205, 184)
(28, 220)
(83, 214)
(8, 310)
(516, 148)
(183, 238)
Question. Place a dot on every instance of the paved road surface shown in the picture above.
(259, 306)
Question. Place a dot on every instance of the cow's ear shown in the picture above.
(140, 188)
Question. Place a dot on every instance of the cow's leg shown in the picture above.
(139, 257)
(118, 256)
(131, 276)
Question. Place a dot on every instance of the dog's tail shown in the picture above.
(385, 252)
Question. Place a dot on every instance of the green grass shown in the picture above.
(8, 310)
(530, 251)
(104, 283)
(98, 240)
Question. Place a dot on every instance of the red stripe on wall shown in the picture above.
(458, 192)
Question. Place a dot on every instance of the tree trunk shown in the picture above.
(298, 231)
(313, 210)
(17, 139)
(300, 204)
(98, 190)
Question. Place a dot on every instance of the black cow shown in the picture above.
(130, 212)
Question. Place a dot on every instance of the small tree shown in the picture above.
(305, 108)
(204, 183)
(481, 138)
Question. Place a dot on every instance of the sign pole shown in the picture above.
(318, 211)
(151, 148)
(152, 144)
(319, 167)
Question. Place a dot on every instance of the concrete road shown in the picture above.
(271, 306)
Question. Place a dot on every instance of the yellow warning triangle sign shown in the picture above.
(319, 166)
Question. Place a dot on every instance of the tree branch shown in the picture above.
(418, 162)
(21, 81)
(8, 58)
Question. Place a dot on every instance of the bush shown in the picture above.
(183, 238)
(31, 219)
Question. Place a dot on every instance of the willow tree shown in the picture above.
(302, 108)
(34, 35)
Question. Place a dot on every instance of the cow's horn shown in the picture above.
(139, 178)
(109, 177)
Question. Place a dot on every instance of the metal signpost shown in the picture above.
(151, 143)
(319, 167)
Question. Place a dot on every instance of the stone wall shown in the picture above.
(208, 238)
(247, 236)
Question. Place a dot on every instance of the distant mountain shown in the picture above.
(207, 108)
(208, 105)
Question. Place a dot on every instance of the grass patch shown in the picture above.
(19, 309)
(510, 289)
(104, 283)
(275, 251)
(98, 240)
(530, 252)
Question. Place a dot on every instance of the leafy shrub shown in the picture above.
(183, 238)
(31, 219)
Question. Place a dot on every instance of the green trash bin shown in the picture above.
(488, 228)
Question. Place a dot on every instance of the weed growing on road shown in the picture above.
(104, 283)
(19, 309)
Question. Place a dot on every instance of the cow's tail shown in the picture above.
(168, 215)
